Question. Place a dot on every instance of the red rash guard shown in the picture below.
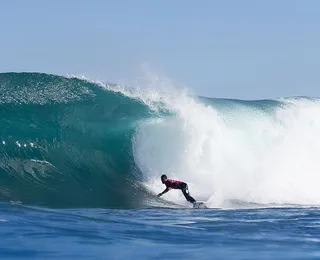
(174, 184)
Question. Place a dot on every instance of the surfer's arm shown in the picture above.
(165, 191)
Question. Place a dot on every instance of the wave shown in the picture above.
(72, 142)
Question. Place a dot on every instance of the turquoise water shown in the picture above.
(80, 163)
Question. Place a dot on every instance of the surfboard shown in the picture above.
(199, 205)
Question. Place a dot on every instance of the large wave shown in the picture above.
(70, 142)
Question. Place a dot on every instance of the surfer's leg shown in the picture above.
(186, 194)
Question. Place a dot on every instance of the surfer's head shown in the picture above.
(163, 178)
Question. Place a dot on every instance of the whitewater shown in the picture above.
(263, 152)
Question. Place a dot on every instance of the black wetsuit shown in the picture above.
(173, 184)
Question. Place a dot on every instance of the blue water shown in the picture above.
(40, 233)
(80, 166)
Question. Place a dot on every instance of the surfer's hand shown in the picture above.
(159, 194)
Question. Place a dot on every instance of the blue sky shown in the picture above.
(233, 49)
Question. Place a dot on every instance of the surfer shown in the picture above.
(174, 184)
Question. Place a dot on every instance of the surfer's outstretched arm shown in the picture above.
(165, 191)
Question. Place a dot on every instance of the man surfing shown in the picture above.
(174, 184)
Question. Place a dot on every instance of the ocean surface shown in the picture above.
(80, 166)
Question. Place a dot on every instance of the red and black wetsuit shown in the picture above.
(174, 184)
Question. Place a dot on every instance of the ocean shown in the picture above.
(81, 160)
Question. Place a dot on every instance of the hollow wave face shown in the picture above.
(66, 142)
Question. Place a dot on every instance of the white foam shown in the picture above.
(260, 159)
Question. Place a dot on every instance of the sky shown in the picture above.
(229, 49)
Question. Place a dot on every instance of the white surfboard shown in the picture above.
(199, 205)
